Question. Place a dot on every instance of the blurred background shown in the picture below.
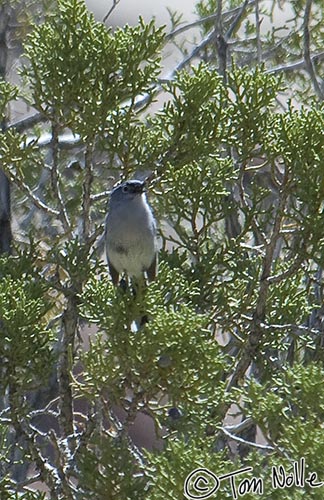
(127, 11)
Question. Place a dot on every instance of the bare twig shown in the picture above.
(258, 34)
(203, 20)
(297, 65)
(112, 8)
(221, 42)
(195, 53)
(94, 235)
(295, 266)
(60, 466)
(29, 122)
(31, 195)
(86, 198)
(23, 431)
(307, 57)
(237, 19)
(100, 196)
(223, 39)
(242, 426)
(256, 330)
(247, 443)
(293, 329)
(254, 223)
(55, 181)
(218, 17)
(69, 328)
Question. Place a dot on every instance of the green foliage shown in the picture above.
(17, 153)
(238, 188)
(168, 470)
(150, 360)
(7, 491)
(73, 260)
(72, 47)
(107, 471)
(289, 301)
(194, 120)
(8, 93)
(253, 97)
(291, 405)
(26, 344)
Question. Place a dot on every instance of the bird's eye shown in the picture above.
(125, 189)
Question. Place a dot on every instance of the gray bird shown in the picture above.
(130, 233)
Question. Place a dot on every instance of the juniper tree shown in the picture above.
(234, 318)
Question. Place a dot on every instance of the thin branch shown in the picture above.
(94, 235)
(86, 197)
(55, 181)
(210, 38)
(119, 428)
(247, 443)
(240, 12)
(29, 481)
(112, 8)
(254, 223)
(297, 65)
(218, 18)
(203, 20)
(258, 34)
(37, 413)
(61, 467)
(195, 53)
(307, 57)
(48, 473)
(66, 351)
(29, 122)
(293, 329)
(256, 330)
(295, 266)
(100, 196)
(221, 41)
(242, 426)
(31, 195)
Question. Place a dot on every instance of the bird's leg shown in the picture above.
(123, 285)
(139, 287)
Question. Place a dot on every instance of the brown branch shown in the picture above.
(254, 223)
(295, 266)
(28, 436)
(256, 329)
(64, 365)
(86, 197)
(60, 464)
(55, 183)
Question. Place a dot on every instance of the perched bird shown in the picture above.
(130, 233)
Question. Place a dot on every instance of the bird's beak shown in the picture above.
(140, 188)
